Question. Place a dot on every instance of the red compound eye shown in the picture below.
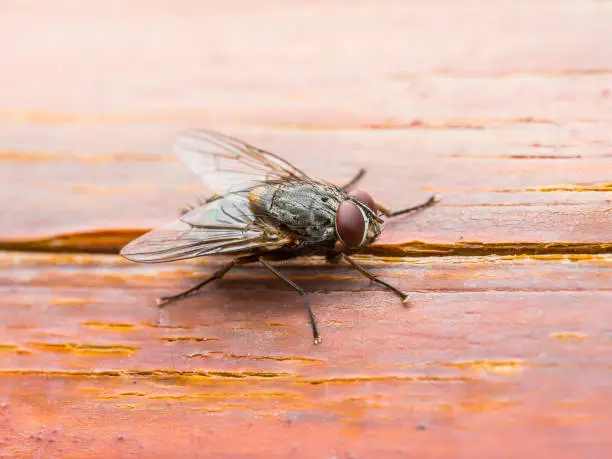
(364, 198)
(350, 224)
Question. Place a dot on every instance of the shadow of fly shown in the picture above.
(263, 210)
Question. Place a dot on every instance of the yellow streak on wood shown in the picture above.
(572, 336)
(84, 348)
(109, 326)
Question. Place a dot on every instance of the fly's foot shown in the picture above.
(163, 301)
(318, 339)
(405, 299)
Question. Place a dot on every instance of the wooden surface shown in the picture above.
(503, 110)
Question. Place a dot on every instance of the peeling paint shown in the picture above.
(84, 348)
(416, 378)
(196, 339)
(501, 367)
(265, 357)
(109, 326)
(155, 374)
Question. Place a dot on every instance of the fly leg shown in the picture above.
(388, 213)
(300, 290)
(352, 182)
(374, 278)
(163, 301)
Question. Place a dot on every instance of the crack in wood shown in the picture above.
(110, 241)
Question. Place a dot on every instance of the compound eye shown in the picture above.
(350, 224)
(364, 198)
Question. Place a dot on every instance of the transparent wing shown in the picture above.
(223, 226)
(226, 164)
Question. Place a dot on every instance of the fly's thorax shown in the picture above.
(306, 209)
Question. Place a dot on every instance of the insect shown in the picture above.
(263, 210)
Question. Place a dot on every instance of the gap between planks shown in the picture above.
(110, 242)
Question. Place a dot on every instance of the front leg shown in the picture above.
(352, 182)
(373, 277)
(388, 213)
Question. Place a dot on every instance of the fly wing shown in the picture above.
(227, 164)
(224, 226)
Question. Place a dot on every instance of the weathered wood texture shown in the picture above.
(503, 109)
(487, 104)
(495, 354)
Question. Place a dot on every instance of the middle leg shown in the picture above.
(300, 290)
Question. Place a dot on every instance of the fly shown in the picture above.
(264, 210)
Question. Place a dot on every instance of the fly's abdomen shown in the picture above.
(304, 209)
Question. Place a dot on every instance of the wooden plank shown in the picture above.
(542, 202)
(492, 350)
(513, 135)
(502, 109)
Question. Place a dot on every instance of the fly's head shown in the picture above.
(357, 221)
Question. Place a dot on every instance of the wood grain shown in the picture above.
(504, 348)
(502, 109)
